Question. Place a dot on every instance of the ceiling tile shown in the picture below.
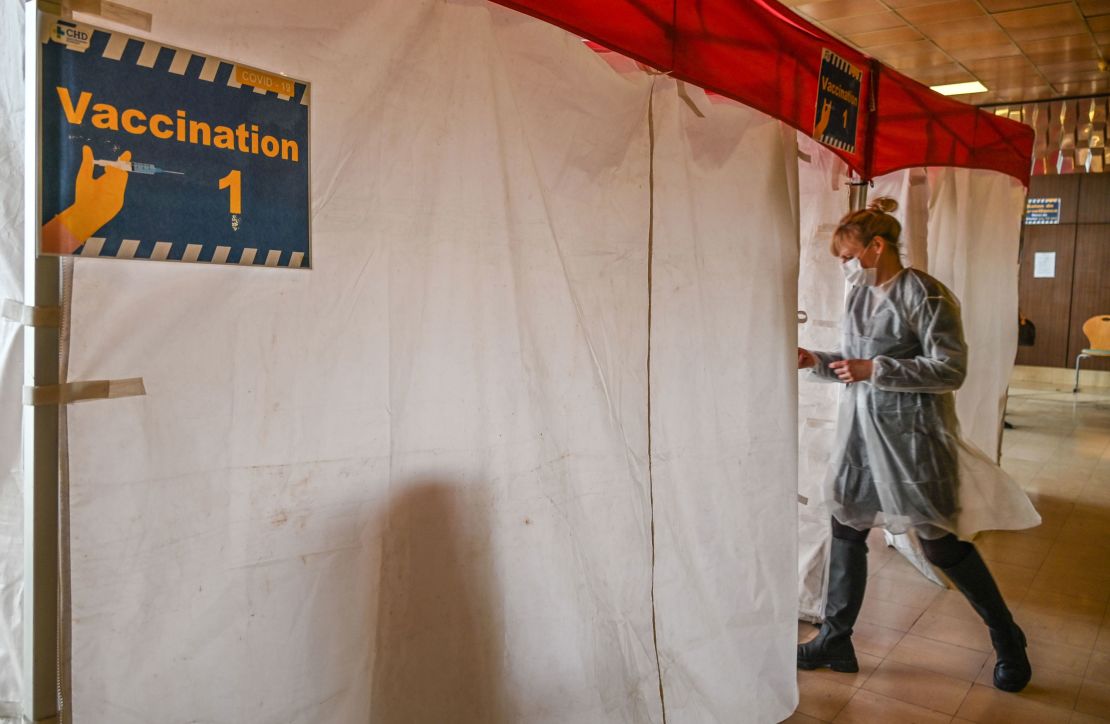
(864, 23)
(1095, 7)
(829, 9)
(968, 37)
(980, 52)
(997, 66)
(1054, 14)
(1051, 30)
(941, 74)
(1010, 95)
(1046, 57)
(937, 41)
(899, 4)
(1060, 44)
(998, 6)
(1069, 67)
(904, 34)
(912, 63)
(1057, 78)
(942, 11)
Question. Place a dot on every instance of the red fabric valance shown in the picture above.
(761, 54)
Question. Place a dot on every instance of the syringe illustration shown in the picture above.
(148, 169)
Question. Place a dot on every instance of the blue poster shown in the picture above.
(1042, 211)
(838, 89)
(154, 152)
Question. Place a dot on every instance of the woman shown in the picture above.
(902, 356)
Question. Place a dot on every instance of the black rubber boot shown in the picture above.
(974, 580)
(847, 582)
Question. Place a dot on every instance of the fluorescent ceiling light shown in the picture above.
(959, 89)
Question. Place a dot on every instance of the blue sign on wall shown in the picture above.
(154, 152)
(1042, 211)
(838, 89)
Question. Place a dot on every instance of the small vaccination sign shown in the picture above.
(838, 89)
(154, 152)
(1042, 211)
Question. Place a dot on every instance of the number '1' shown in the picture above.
(233, 181)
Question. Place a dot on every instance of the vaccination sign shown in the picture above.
(154, 152)
(838, 90)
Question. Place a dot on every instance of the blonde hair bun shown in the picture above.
(866, 224)
(884, 204)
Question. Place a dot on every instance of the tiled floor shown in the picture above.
(924, 654)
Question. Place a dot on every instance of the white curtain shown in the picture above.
(974, 232)
(11, 359)
(722, 408)
(823, 184)
(414, 483)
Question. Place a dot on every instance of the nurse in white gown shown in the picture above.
(900, 463)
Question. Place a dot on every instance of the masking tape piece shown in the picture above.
(83, 390)
(31, 316)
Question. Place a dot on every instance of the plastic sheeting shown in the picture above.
(11, 359)
(823, 180)
(971, 222)
(414, 484)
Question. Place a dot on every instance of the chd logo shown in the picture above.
(71, 34)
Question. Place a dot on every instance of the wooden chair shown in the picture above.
(1097, 329)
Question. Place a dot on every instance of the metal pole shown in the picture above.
(40, 424)
(857, 195)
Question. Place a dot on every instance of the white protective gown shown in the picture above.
(900, 463)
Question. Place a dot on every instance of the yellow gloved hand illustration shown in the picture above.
(96, 201)
(823, 119)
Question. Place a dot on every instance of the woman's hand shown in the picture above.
(852, 370)
(806, 359)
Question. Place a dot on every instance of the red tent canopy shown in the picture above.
(759, 53)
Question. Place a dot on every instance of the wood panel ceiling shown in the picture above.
(1019, 49)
